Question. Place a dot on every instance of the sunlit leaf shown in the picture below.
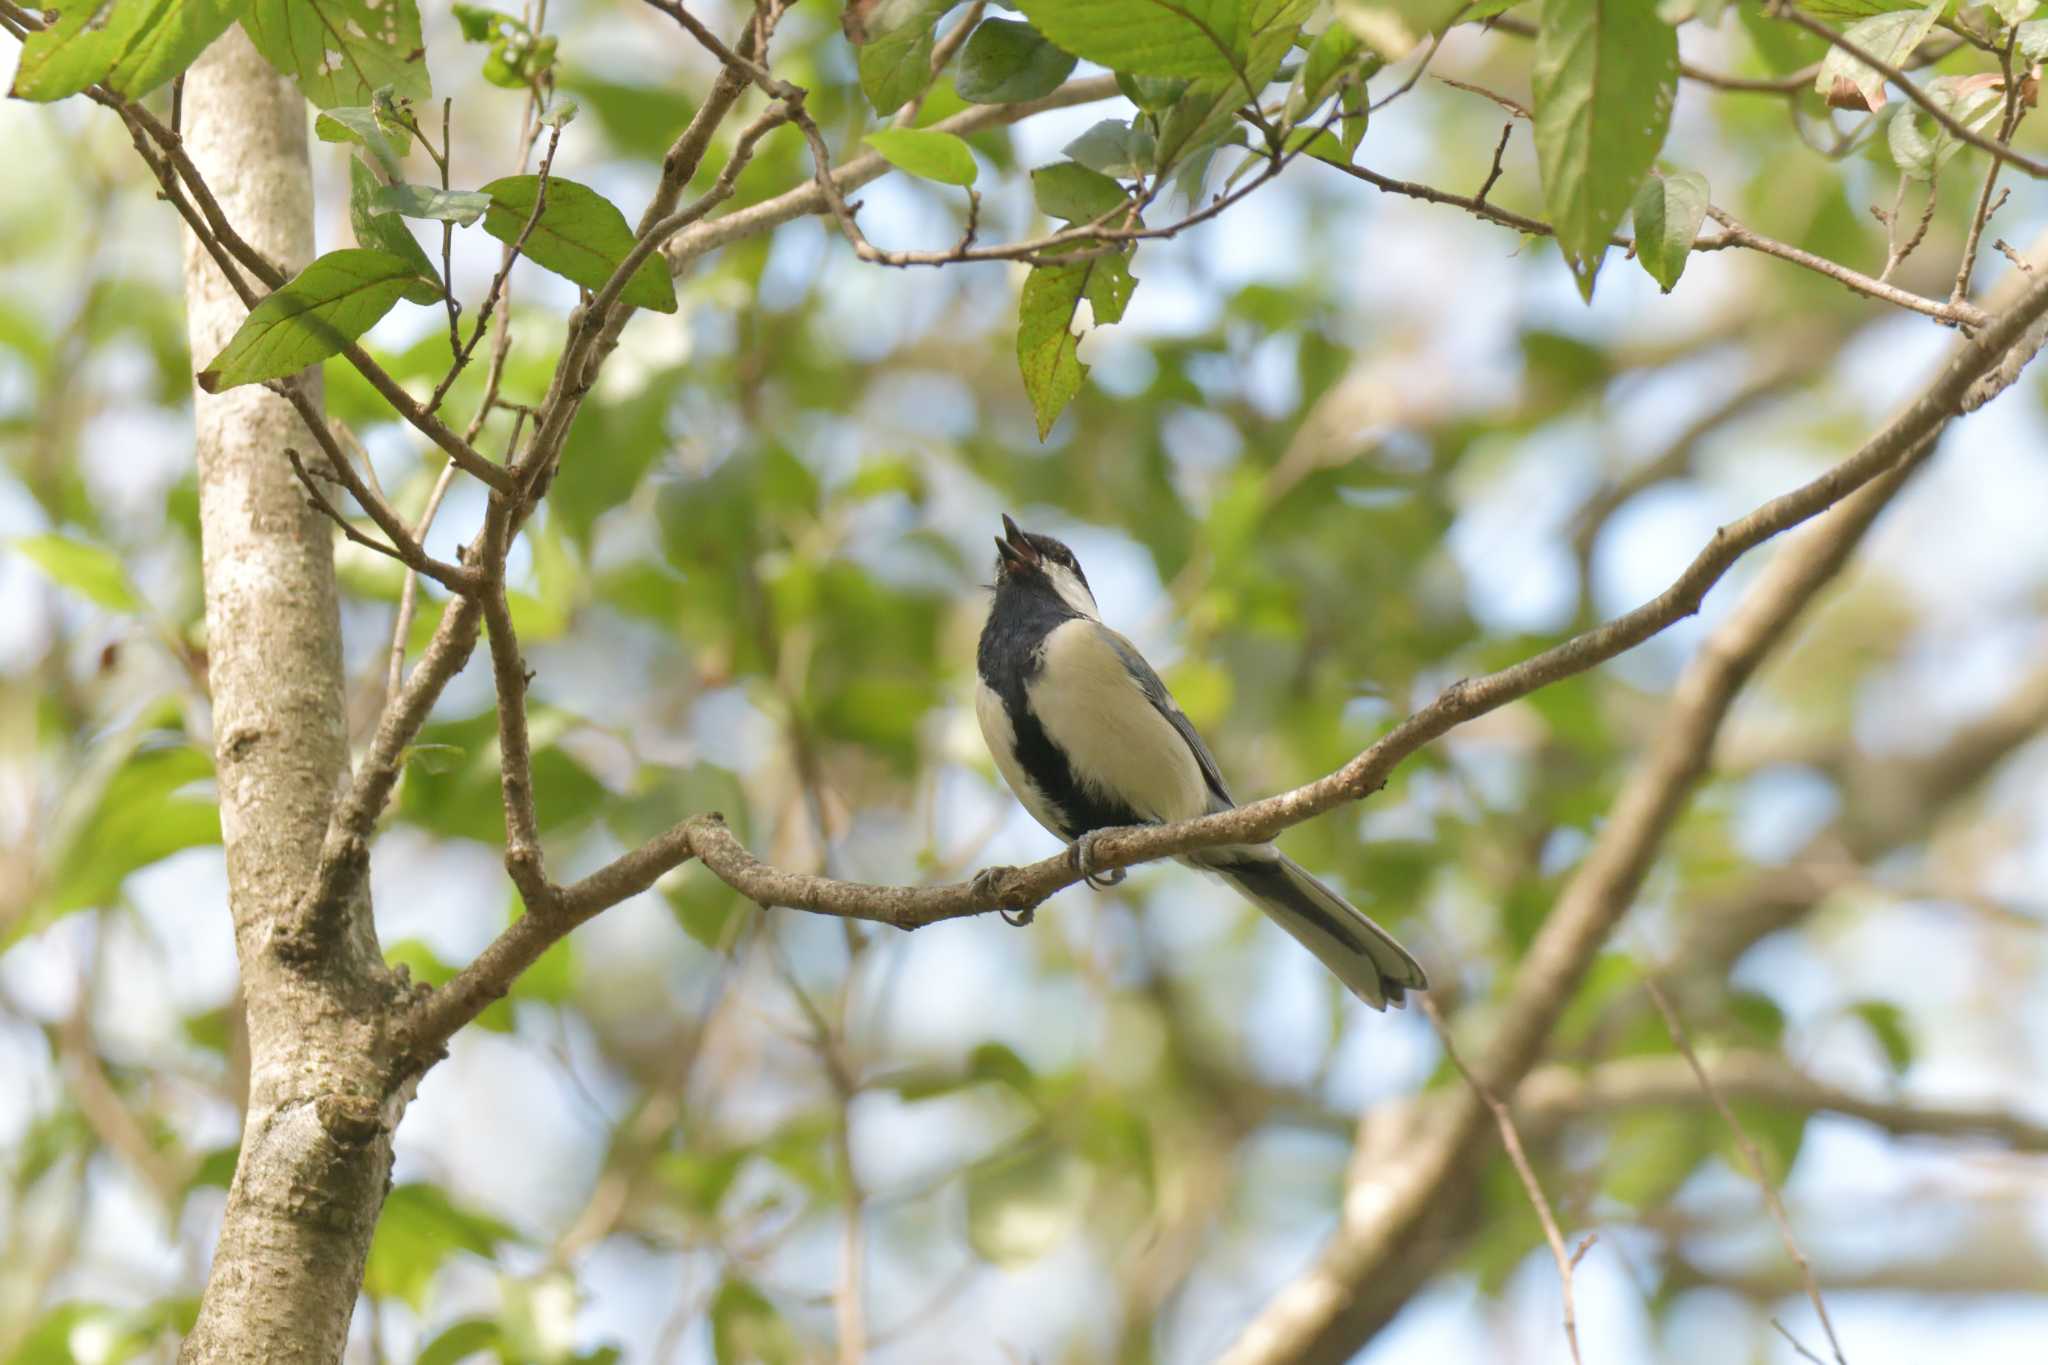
(132, 46)
(1605, 74)
(388, 233)
(932, 156)
(420, 1228)
(92, 571)
(1668, 212)
(580, 235)
(312, 316)
(342, 52)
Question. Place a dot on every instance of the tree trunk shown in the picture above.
(316, 1141)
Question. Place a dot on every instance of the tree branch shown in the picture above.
(1324, 1314)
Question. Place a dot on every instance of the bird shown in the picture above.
(1088, 738)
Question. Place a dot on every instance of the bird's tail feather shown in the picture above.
(1364, 956)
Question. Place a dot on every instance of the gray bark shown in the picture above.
(316, 1145)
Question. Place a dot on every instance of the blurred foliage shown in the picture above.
(1320, 468)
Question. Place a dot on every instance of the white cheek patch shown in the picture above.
(1071, 589)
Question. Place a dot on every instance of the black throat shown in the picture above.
(1011, 657)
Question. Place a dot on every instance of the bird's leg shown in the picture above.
(1082, 852)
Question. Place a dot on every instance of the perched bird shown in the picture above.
(1088, 738)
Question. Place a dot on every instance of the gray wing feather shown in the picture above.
(1162, 701)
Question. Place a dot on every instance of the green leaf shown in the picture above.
(388, 233)
(1069, 190)
(518, 58)
(360, 124)
(895, 63)
(745, 1326)
(455, 790)
(1007, 61)
(581, 236)
(419, 1229)
(1890, 38)
(1024, 1202)
(2032, 37)
(1604, 78)
(1887, 1024)
(137, 816)
(133, 46)
(1048, 350)
(462, 1339)
(1668, 212)
(1115, 148)
(341, 52)
(1921, 150)
(315, 315)
(1192, 38)
(92, 571)
(1336, 57)
(932, 156)
(422, 201)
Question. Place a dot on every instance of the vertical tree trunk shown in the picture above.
(316, 1144)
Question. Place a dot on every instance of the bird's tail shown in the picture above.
(1364, 956)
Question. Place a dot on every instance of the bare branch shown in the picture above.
(556, 910)
(403, 547)
(1751, 1157)
(1734, 235)
(1552, 1095)
(1325, 1314)
(345, 851)
(808, 199)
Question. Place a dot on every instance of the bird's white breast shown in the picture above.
(1115, 740)
(1001, 738)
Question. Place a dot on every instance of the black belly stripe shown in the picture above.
(1012, 654)
(1080, 808)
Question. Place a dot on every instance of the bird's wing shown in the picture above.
(1162, 701)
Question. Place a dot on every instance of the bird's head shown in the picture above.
(1034, 563)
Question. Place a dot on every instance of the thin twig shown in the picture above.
(1752, 1157)
(1493, 175)
(507, 259)
(408, 593)
(1567, 1261)
(2008, 124)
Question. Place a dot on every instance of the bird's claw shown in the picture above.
(1083, 854)
(988, 885)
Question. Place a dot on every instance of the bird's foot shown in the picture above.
(1082, 852)
(988, 885)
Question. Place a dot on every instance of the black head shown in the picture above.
(1036, 563)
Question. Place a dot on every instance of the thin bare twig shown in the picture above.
(1751, 1157)
(1567, 1262)
(1734, 234)
(507, 259)
(2008, 124)
(1493, 175)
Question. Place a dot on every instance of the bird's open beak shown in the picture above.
(1014, 548)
